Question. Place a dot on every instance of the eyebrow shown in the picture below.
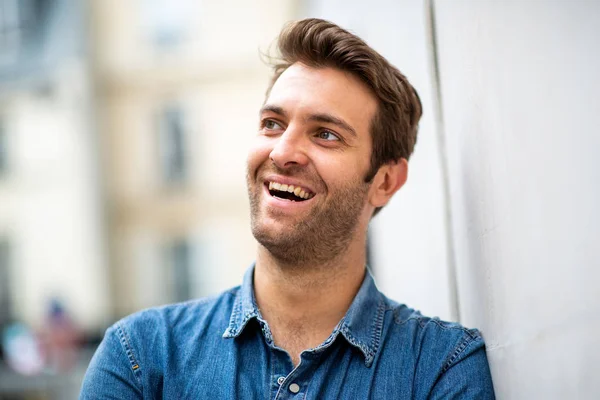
(321, 117)
(330, 119)
(273, 109)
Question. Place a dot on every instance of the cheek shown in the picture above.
(346, 169)
(257, 155)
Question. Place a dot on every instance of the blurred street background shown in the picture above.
(124, 128)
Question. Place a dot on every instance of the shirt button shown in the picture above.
(280, 380)
(294, 388)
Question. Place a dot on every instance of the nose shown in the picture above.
(290, 149)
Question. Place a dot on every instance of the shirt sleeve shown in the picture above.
(113, 373)
(466, 375)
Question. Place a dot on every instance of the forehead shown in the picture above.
(306, 90)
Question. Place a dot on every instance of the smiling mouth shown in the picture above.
(289, 192)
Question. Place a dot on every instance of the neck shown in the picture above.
(307, 290)
(306, 302)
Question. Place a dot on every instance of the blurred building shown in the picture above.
(124, 129)
(178, 85)
(50, 211)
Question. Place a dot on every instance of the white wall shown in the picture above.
(519, 94)
(520, 86)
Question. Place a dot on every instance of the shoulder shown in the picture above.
(445, 342)
(448, 359)
(184, 311)
(175, 322)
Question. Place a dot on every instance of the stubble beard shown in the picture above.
(319, 238)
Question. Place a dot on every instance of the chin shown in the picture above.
(267, 230)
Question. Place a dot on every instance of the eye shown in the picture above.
(271, 125)
(327, 135)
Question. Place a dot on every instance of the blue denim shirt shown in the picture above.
(221, 348)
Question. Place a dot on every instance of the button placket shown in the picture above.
(290, 386)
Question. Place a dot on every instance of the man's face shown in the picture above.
(314, 136)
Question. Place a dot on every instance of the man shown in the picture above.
(336, 130)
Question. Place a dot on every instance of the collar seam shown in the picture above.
(371, 348)
(378, 325)
(233, 327)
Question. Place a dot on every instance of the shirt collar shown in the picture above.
(244, 306)
(361, 326)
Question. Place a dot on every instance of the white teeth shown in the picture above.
(298, 191)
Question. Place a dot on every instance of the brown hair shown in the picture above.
(318, 43)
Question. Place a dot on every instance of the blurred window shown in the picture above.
(172, 145)
(165, 22)
(11, 26)
(5, 295)
(17, 25)
(178, 262)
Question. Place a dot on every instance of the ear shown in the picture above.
(389, 179)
